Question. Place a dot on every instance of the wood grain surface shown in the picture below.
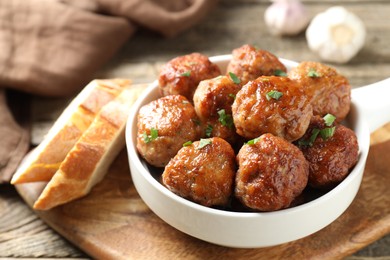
(112, 222)
(24, 234)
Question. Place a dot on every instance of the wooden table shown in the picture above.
(23, 234)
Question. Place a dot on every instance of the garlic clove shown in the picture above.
(286, 17)
(336, 35)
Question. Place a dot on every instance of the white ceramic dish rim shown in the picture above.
(349, 186)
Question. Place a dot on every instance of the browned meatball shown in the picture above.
(275, 105)
(249, 63)
(213, 101)
(271, 173)
(329, 92)
(163, 126)
(332, 156)
(182, 75)
(213, 95)
(202, 172)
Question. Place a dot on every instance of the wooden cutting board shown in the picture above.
(112, 222)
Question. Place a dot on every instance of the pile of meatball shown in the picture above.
(258, 134)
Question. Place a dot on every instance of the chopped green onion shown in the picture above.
(188, 143)
(328, 132)
(209, 130)
(280, 73)
(186, 74)
(232, 96)
(234, 78)
(203, 143)
(225, 119)
(153, 135)
(274, 94)
(314, 135)
(325, 134)
(329, 119)
(253, 141)
(313, 73)
(310, 141)
(146, 137)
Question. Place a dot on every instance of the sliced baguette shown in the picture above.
(76, 118)
(88, 161)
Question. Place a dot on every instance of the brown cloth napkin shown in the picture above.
(52, 48)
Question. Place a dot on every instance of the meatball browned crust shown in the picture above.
(215, 94)
(182, 75)
(213, 101)
(271, 173)
(249, 63)
(331, 158)
(203, 172)
(328, 91)
(163, 126)
(275, 105)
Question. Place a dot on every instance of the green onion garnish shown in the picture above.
(203, 143)
(328, 132)
(153, 135)
(329, 119)
(274, 94)
(312, 73)
(209, 130)
(188, 143)
(310, 141)
(225, 119)
(280, 73)
(186, 74)
(234, 78)
(253, 141)
(232, 96)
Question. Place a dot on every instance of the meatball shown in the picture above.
(203, 172)
(181, 75)
(213, 101)
(329, 92)
(249, 63)
(331, 154)
(271, 173)
(213, 95)
(163, 126)
(275, 105)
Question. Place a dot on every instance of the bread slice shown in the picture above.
(76, 118)
(88, 161)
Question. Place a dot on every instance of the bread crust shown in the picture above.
(44, 160)
(89, 159)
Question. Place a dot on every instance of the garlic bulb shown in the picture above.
(336, 35)
(286, 17)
